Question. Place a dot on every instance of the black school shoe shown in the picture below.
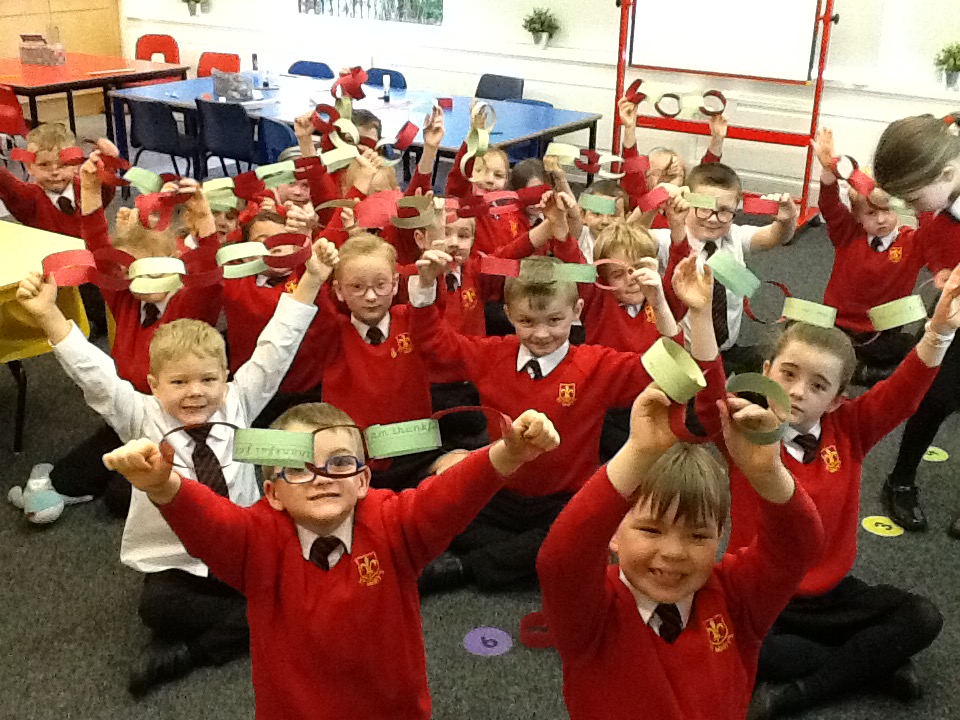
(954, 529)
(443, 574)
(904, 684)
(903, 504)
(162, 661)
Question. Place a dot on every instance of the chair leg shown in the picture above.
(224, 166)
(20, 375)
(176, 168)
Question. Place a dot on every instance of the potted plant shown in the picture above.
(542, 24)
(192, 5)
(948, 61)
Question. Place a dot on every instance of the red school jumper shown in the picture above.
(343, 643)
(608, 323)
(863, 278)
(575, 396)
(31, 206)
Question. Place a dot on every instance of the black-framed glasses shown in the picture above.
(337, 467)
(723, 216)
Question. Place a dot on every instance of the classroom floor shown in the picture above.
(69, 629)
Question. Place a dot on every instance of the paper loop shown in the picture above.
(608, 261)
(107, 168)
(897, 313)
(673, 370)
(340, 157)
(492, 265)
(340, 203)
(222, 201)
(167, 451)
(809, 312)
(753, 205)
(564, 153)
(426, 212)
(633, 93)
(237, 251)
(112, 265)
(280, 448)
(149, 285)
(653, 199)
(293, 260)
(697, 200)
(598, 204)
(248, 186)
(478, 142)
(406, 136)
(669, 96)
(773, 392)
(847, 168)
(404, 438)
(161, 204)
(23, 156)
(321, 125)
(748, 308)
(70, 268)
(350, 85)
(591, 164)
(734, 275)
(72, 156)
(276, 174)
(607, 159)
(713, 111)
(143, 180)
(168, 268)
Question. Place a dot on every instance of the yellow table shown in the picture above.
(22, 250)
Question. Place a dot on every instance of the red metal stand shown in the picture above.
(825, 18)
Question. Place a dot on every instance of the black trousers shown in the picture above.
(499, 548)
(849, 638)
(941, 400)
(207, 614)
(466, 430)
(881, 350)
(81, 472)
(616, 430)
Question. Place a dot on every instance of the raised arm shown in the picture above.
(842, 227)
(783, 227)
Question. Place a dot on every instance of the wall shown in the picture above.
(880, 68)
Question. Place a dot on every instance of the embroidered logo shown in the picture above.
(468, 299)
(650, 314)
(568, 394)
(831, 457)
(404, 345)
(290, 286)
(514, 228)
(369, 568)
(719, 633)
(896, 254)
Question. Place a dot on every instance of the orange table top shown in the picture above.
(79, 71)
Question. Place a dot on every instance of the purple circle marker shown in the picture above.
(487, 641)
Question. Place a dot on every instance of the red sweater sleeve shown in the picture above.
(421, 182)
(709, 157)
(458, 184)
(842, 228)
(442, 344)
(567, 250)
(19, 196)
(678, 251)
(95, 231)
(705, 403)
(572, 564)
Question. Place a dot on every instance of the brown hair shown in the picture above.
(363, 118)
(179, 338)
(539, 292)
(632, 241)
(525, 171)
(365, 245)
(912, 152)
(262, 216)
(715, 175)
(831, 340)
(690, 476)
(318, 416)
(50, 137)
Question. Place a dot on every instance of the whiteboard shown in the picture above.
(770, 39)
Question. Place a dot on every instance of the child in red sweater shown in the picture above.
(324, 557)
(838, 633)
(538, 367)
(875, 261)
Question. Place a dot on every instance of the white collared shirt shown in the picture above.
(548, 363)
(633, 310)
(737, 243)
(586, 241)
(648, 607)
(149, 544)
(362, 327)
(343, 533)
(885, 242)
(954, 209)
(67, 193)
(161, 306)
(796, 452)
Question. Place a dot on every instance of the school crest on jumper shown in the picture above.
(650, 314)
(369, 568)
(896, 254)
(568, 394)
(720, 634)
(831, 457)
(468, 298)
(404, 345)
(514, 228)
(290, 286)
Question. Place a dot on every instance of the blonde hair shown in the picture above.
(130, 235)
(912, 153)
(365, 245)
(538, 292)
(50, 137)
(177, 339)
(830, 340)
(632, 241)
(690, 476)
(318, 416)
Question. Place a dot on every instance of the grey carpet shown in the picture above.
(69, 628)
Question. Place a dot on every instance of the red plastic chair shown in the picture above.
(11, 114)
(150, 45)
(224, 62)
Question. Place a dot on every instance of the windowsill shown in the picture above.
(925, 89)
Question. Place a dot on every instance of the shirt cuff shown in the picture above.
(420, 296)
(74, 339)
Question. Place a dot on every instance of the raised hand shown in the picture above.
(37, 295)
(651, 283)
(823, 147)
(303, 126)
(143, 464)
(737, 414)
(628, 112)
(323, 260)
(530, 435)
(433, 129)
(946, 316)
(433, 264)
(650, 431)
(692, 287)
(107, 148)
(718, 126)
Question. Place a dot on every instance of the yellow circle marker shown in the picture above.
(936, 455)
(882, 526)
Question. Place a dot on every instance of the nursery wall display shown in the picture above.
(424, 12)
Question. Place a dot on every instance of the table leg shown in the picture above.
(34, 115)
(20, 375)
(593, 146)
(108, 113)
(71, 113)
(117, 125)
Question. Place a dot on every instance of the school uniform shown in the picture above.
(32, 206)
(635, 183)
(870, 271)
(344, 642)
(727, 306)
(604, 628)
(148, 544)
(832, 607)
(574, 386)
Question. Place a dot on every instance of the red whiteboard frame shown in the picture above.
(824, 18)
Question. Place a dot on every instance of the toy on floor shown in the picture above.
(39, 501)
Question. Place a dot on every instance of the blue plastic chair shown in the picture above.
(530, 149)
(226, 131)
(397, 80)
(318, 70)
(499, 87)
(273, 137)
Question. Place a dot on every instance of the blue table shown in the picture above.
(295, 95)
